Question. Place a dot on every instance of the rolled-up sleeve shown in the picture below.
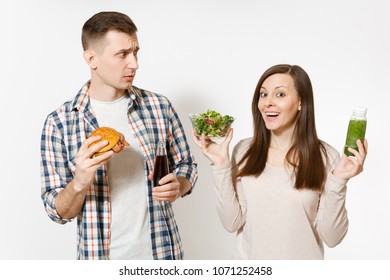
(181, 159)
(55, 173)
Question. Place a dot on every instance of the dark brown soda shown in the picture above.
(160, 168)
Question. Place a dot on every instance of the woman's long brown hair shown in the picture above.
(307, 152)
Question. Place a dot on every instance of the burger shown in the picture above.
(116, 141)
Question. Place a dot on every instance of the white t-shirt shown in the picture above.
(130, 233)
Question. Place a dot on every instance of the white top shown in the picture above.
(130, 233)
(272, 219)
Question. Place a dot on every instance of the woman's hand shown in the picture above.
(216, 153)
(349, 167)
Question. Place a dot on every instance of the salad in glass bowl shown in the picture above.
(212, 124)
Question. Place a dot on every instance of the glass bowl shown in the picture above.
(217, 130)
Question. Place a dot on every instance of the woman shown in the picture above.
(284, 190)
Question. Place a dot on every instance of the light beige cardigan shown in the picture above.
(275, 221)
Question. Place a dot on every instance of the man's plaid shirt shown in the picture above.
(152, 118)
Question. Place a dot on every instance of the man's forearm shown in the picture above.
(70, 201)
(185, 185)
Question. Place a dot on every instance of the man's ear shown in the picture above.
(90, 58)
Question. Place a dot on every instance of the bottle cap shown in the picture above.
(360, 111)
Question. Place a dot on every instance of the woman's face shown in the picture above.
(279, 103)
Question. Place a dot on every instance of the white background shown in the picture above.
(201, 54)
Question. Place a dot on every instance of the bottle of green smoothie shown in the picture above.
(356, 129)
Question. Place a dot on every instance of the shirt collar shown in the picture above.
(82, 103)
(135, 96)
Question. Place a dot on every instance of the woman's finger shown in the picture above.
(203, 141)
(229, 136)
(366, 145)
(196, 138)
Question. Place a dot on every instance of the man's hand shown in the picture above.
(86, 165)
(169, 189)
(70, 201)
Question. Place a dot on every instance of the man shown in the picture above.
(120, 214)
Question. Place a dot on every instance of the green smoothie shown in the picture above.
(356, 130)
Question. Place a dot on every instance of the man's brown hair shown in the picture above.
(98, 25)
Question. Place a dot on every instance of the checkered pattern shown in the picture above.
(152, 118)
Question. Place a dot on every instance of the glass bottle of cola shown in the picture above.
(160, 163)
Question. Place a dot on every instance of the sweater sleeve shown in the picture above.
(332, 219)
(231, 202)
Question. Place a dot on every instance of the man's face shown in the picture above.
(116, 60)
